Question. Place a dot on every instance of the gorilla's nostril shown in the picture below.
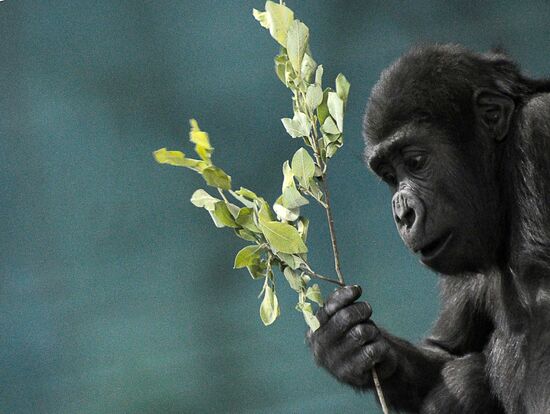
(408, 218)
(404, 215)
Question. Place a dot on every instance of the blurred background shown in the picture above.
(116, 294)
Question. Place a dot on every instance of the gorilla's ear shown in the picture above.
(494, 112)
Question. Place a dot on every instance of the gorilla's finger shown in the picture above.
(322, 316)
(353, 339)
(357, 369)
(371, 354)
(344, 320)
(341, 298)
(356, 337)
(362, 334)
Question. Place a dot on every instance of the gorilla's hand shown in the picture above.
(348, 344)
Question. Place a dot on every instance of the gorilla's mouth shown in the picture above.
(432, 249)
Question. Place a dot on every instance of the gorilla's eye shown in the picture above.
(415, 163)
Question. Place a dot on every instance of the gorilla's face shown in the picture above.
(445, 203)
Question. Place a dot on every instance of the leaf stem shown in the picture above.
(309, 193)
(223, 195)
(311, 273)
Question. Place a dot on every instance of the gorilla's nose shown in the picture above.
(403, 213)
(409, 216)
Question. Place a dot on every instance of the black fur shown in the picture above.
(488, 129)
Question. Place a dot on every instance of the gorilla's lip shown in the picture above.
(435, 247)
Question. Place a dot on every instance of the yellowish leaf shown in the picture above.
(201, 141)
(177, 158)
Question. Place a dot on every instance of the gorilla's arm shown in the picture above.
(460, 333)
(421, 378)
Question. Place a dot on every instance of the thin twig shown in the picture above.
(379, 391)
(330, 220)
(332, 232)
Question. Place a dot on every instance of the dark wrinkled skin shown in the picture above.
(463, 142)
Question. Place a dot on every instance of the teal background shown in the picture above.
(116, 294)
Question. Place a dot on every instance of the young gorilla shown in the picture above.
(463, 140)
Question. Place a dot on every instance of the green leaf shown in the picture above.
(201, 198)
(342, 87)
(303, 166)
(178, 159)
(319, 75)
(291, 260)
(322, 109)
(314, 293)
(303, 226)
(245, 219)
(257, 270)
(329, 126)
(292, 199)
(264, 213)
(280, 65)
(315, 190)
(284, 213)
(261, 17)
(247, 256)
(233, 209)
(331, 150)
(309, 317)
(201, 141)
(221, 215)
(215, 219)
(318, 171)
(216, 177)
(295, 281)
(288, 177)
(244, 196)
(269, 309)
(332, 138)
(245, 192)
(290, 75)
(245, 234)
(287, 259)
(308, 67)
(314, 96)
(298, 126)
(297, 38)
(277, 18)
(336, 109)
(283, 237)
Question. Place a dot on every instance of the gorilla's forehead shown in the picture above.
(395, 102)
(427, 83)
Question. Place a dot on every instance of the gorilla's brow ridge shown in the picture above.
(390, 145)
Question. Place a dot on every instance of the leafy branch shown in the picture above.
(278, 233)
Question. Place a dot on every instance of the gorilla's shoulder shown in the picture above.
(535, 117)
(539, 105)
